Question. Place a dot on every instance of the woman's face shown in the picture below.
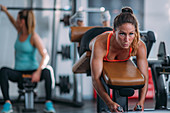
(125, 35)
(19, 22)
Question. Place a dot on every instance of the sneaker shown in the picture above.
(49, 107)
(7, 108)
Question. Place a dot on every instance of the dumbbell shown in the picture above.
(64, 84)
(65, 20)
(65, 52)
(120, 109)
(138, 108)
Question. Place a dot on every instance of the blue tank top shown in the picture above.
(25, 55)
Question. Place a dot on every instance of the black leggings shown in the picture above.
(16, 76)
(89, 35)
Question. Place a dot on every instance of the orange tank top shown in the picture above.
(108, 45)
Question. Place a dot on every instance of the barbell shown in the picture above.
(39, 8)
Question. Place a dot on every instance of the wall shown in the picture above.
(157, 19)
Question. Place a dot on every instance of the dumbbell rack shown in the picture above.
(64, 83)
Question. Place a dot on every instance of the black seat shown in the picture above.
(26, 89)
(149, 38)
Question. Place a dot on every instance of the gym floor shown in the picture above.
(89, 107)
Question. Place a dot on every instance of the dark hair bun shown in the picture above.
(127, 10)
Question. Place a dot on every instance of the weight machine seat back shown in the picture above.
(76, 33)
(117, 75)
(149, 38)
(124, 74)
(82, 65)
(162, 51)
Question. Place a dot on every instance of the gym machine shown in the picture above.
(83, 66)
(160, 71)
(147, 36)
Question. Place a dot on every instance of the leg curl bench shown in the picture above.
(122, 77)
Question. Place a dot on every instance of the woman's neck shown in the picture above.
(24, 31)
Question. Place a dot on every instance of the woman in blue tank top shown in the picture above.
(26, 45)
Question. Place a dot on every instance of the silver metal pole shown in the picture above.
(77, 94)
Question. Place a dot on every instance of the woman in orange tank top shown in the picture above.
(118, 45)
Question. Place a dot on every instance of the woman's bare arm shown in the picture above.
(96, 64)
(142, 64)
(37, 42)
(12, 20)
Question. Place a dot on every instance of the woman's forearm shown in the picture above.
(11, 18)
(143, 91)
(101, 91)
(44, 62)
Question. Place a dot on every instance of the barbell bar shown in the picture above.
(39, 8)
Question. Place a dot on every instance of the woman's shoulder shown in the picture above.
(101, 41)
(103, 36)
(141, 44)
(35, 38)
(141, 48)
(35, 35)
